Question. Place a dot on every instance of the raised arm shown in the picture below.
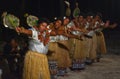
(24, 31)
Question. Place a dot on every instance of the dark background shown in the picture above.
(51, 8)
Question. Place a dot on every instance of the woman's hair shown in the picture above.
(99, 14)
(10, 39)
(43, 20)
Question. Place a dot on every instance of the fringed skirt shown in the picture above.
(52, 51)
(101, 45)
(87, 45)
(93, 48)
(84, 49)
(71, 43)
(36, 66)
(78, 54)
(63, 57)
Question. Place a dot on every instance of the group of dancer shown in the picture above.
(54, 47)
(66, 43)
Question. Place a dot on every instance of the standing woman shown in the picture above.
(36, 63)
(63, 59)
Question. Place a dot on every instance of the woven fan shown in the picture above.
(68, 10)
(76, 11)
(10, 21)
(32, 20)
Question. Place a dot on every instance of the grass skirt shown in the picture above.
(36, 66)
(93, 53)
(52, 51)
(101, 45)
(63, 57)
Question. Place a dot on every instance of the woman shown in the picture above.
(36, 63)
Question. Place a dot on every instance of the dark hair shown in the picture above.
(67, 17)
(42, 20)
(60, 18)
(82, 14)
(99, 14)
(90, 14)
(11, 38)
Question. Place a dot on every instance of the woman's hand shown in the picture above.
(18, 29)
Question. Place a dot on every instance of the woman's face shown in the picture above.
(42, 27)
(81, 18)
(89, 18)
(66, 21)
(58, 23)
(14, 43)
(97, 18)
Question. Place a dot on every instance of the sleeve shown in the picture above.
(34, 34)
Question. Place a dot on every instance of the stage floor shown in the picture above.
(107, 68)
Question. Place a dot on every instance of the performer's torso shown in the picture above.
(35, 44)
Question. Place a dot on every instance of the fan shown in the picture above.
(10, 21)
(76, 11)
(68, 10)
(32, 20)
